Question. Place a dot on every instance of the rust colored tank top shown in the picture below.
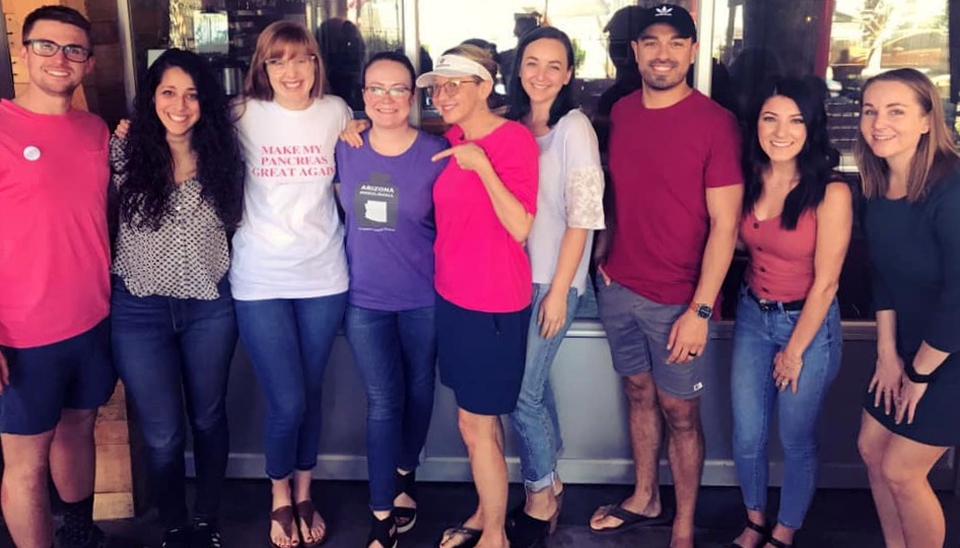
(781, 261)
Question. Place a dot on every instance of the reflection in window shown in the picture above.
(349, 34)
(845, 42)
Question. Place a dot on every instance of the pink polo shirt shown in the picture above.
(479, 265)
(54, 246)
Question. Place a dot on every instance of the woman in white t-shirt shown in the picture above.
(289, 270)
(569, 207)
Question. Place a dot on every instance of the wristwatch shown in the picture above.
(703, 310)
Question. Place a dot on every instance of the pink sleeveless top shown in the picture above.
(781, 261)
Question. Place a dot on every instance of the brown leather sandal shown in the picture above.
(306, 512)
(284, 517)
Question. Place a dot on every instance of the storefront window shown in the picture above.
(845, 42)
(226, 32)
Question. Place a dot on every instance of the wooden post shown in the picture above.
(113, 490)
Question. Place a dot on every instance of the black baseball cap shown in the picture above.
(672, 15)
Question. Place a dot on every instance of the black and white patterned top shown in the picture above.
(185, 258)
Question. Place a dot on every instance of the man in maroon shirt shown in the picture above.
(677, 188)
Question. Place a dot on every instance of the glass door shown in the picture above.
(7, 47)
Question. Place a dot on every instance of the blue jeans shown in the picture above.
(289, 342)
(396, 352)
(757, 337)
(167, 350)
(535, 418)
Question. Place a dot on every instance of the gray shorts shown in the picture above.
(637, 331)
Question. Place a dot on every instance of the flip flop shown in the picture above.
(629, 520)
(470, 536)
(285, 518)
(306, 512)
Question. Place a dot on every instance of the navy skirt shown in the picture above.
(481, 356)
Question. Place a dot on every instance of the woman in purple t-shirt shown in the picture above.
(386, 189)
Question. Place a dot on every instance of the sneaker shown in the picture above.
(205, 535)
(177, 537)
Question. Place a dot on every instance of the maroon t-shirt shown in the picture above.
(661, 163)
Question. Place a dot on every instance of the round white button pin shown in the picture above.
(31, 153)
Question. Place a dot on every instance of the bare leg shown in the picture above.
(73, 454)
(873, 442)
(645, 432)
(685, 435)
(23, 493)
(483, 436)
(906, 465)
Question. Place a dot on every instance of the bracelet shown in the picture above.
(917, 378)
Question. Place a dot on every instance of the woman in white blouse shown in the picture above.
(569, 208)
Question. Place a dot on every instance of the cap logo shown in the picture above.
(664, 11)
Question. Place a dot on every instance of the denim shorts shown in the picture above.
(637, 331)
(75, 373)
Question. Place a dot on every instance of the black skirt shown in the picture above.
(937, 418)
(481, 356)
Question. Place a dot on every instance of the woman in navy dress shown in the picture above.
(911, 179)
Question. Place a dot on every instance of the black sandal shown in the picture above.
(383, 531)
(777, 543)
(405, 516)
(764, 534)
(470, 536)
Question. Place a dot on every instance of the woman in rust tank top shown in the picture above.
(796, 224)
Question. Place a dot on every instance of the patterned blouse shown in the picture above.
(186, 258)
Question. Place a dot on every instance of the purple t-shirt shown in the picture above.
(390, 230)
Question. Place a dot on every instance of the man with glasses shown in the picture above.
(55, 368)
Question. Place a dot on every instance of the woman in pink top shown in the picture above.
(796, 225)
(485, 200)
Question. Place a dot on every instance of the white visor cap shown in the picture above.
(452, 66)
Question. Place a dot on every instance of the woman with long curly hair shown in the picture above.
(179, 178)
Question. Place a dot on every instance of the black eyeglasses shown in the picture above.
(46, 48)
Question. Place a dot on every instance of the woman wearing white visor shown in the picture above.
(485, 201)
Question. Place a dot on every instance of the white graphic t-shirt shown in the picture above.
(290, 242)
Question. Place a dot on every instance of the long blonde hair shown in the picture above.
(273, 42)
(936, 151)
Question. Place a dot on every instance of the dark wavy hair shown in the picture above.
(144, 196)
(517, 98)
(816, 160)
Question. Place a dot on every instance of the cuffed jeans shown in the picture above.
(535, 418)
(758, 335)
(289, 342)
(396, 353)
(166, 349)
